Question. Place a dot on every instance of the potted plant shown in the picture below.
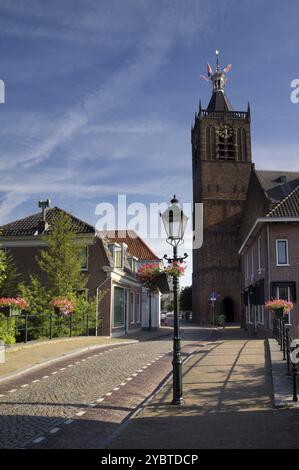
(12, 306)
(62, 306)
(279, 307)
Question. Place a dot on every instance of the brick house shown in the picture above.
(270, 251)
(109, 263)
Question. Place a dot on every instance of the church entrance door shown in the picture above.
(228, 309)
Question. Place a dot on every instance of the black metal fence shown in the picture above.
(281, 331)
(48, 326)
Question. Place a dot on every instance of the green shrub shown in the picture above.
(7, 330)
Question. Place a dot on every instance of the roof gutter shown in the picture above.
(265, 220)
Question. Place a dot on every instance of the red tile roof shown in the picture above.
(136, 246)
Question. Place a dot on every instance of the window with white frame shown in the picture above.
(259, 253)
(119, 307)
(117, 254)
(137, 308)
(132, 307)
(247, 265)
(282, 253)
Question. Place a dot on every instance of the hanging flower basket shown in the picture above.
(162, 283)
(12, 307)
(176, 269)
(279, 307)
(62, 306)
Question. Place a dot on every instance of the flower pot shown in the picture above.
(162, 282)
(57, 311)
(10, 311)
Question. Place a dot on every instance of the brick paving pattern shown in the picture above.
(36, 405)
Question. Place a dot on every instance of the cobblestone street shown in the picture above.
(40, 402)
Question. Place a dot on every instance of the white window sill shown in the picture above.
(282, 265)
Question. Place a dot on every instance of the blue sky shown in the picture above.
(101, 95)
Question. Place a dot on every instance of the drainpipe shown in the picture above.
(97, 300)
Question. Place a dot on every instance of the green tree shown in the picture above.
(2, 266)
(9, 285)
(62, 259)
(186, 299)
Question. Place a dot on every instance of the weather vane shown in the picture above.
(211, 75)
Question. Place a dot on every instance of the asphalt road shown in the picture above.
(35, 406)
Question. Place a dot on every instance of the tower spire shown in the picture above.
(219, 101)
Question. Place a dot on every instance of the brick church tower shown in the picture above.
(221, 158)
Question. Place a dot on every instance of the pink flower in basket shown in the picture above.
(279, 304)
(17, 302)
(65, 306)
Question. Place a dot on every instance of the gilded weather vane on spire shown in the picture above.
(218, 78)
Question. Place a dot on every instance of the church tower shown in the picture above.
(221, 159)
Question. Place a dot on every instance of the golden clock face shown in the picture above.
(225, 131)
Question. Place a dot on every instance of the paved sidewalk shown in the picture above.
(227, 392)
(22, 357)
(282, 383)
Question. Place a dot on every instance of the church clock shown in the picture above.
(225, 131)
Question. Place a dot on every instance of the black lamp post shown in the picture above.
(175, 222)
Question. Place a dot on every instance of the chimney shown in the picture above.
(43, 224)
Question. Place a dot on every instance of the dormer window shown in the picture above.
(116, 252)
(133, 261)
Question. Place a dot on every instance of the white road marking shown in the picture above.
(92, 405)
(1, 396)
(53, 373)
(116, 388)
(129, 378)
(39, 439)
(68, 421)
(139, 370)
(122, 384)
(71, 365)
(144, 367)
(25, 385)
(34, 381)
(54, 430)
(45, 377)
(108, 394)
(80, 413)
(62, 368)
(99, 400)
(134, 375)
(13, 390)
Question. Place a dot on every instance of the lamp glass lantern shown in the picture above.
(174, 221)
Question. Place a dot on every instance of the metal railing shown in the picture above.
(48, 326)
(281, 332)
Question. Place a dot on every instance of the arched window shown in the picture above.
(226, 147)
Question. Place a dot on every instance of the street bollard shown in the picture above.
(26, 327)
(288, 349)
(51, 326)
(280, 334)
(284, 344)
(71, 325)
(294, 374)
(87, 325)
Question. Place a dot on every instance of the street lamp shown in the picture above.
(175, 221)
